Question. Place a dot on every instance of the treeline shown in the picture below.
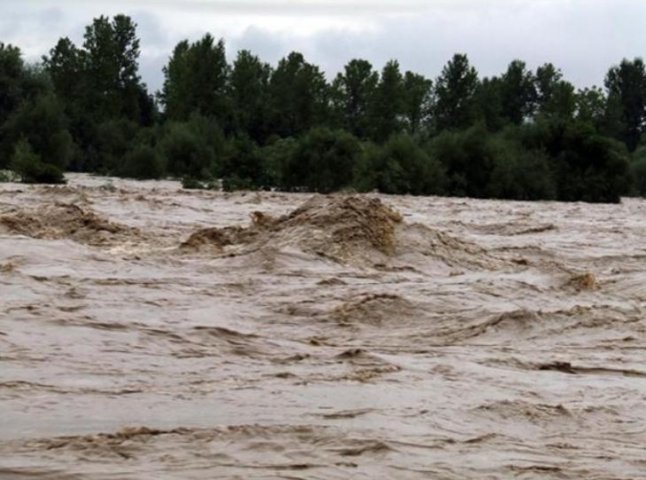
(520, 135)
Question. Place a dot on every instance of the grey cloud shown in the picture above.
(150, 69)
(271, 7)
(269, 47)
(583, 37)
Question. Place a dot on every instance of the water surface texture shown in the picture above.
(152, 332)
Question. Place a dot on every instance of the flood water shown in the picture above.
(148, 331)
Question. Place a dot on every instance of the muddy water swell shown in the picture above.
(151, 332)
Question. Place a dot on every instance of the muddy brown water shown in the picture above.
(152, 332)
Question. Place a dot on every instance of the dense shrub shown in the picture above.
(523, 134)
(8, 176)
(114, 139)
(242, 166)
(468, 157)
(30, 167)
(42, 123)
(586, 165)
(186, 153)
(520, 174)
(399, 166)
(638, 172)
(143, 162)
(323, 161)
(276, 156)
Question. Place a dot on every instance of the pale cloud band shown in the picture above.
(583, 37)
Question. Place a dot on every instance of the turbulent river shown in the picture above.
(148, 331)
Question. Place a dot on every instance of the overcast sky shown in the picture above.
(582, 37)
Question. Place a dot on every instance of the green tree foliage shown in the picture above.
(110, 66)
(587, 166)
(186, 153)
(638, 172)
(8, 176)
(100, 86)
(242, 166)
(277, 155)
(547, 78)
(114, 139)
(30, 114)
(42, 123)
(399, 166)
(417, 101)
(176, 95)
(11, 80)
(519, 173)
(488, 104)
(66, 62)
(323, 161)
(626, 86)
(520, 135)
(249, 90)
(454, 107)
(591, 107)
(142, 162)
(30, 167)
(21, 86)
(196, 81)
(298, 96)
(518, 93)
(468, 157)
(555, 97)
(387, 104)
(352, 94)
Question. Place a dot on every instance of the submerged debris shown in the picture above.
(582, 282)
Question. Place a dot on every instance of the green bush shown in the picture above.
(190, 183)
(114, 139)
(468, 160)
(186, 152)
(323, 161)
(276, 156)
(42, 123)
(586, 165)
(144, 162)
(31, 169)
(8, 176)
(400, 166)
(242, 167)
(520, 174)
(638, 172)
(233, 183)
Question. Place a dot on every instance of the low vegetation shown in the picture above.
(523, 134)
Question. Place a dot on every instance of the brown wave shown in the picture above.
(351, 229)
(65, 220)
(374, 309)
(337, 227)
